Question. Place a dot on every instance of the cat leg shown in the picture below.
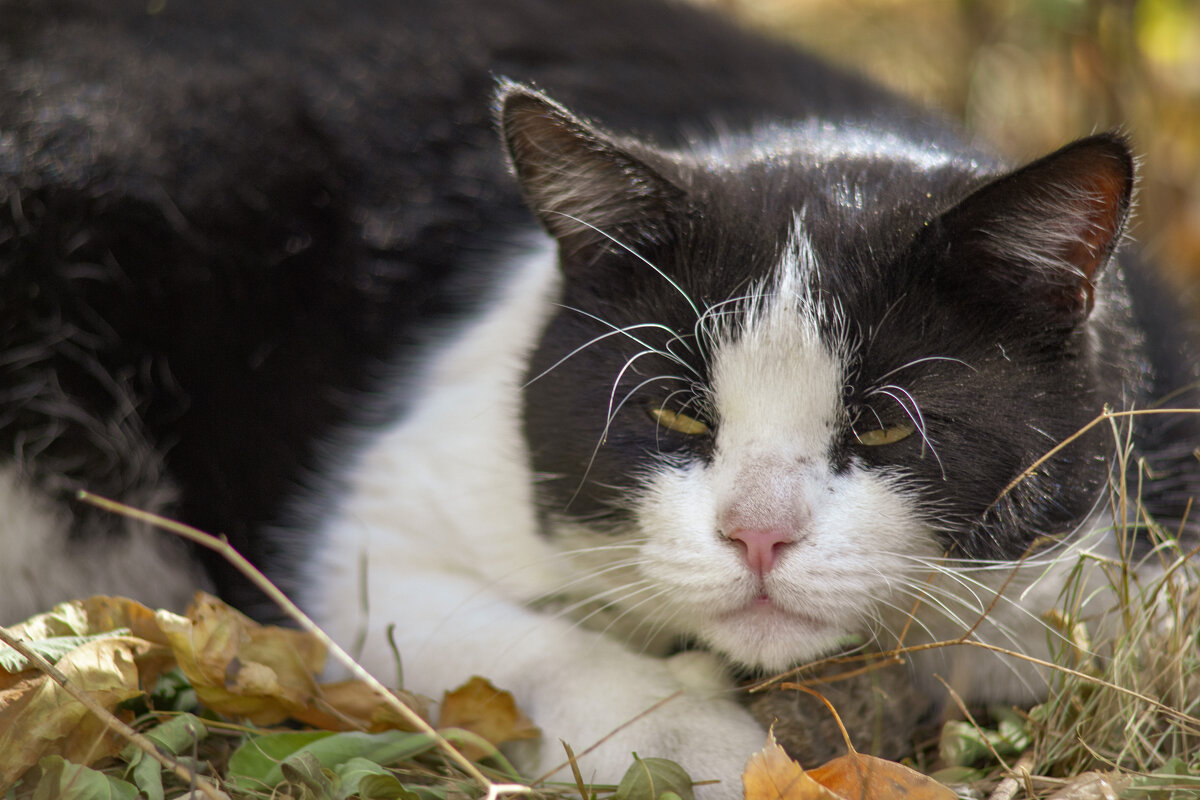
(579, 686)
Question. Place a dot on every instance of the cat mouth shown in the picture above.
(764, 608)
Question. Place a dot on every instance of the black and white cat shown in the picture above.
(756, 374)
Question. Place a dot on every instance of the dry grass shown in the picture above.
(1029, 75)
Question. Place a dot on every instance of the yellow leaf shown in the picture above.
(492, 713)
(855, 775)
(771, 775)
(38, 717)
(240, 668)
(96, 614)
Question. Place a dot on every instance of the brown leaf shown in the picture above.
(38, 717)
(240, 668)
(491, 713)
(854, 776)
(353, 705)
(96, 614)
(771, 775)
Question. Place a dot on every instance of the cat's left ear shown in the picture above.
(586, 187)
(1042, 235)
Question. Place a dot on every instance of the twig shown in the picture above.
(1166, 709)
(966, 712)
(235, 558)
(899, 652)
(1007, 788)
(110, 721)
(1104, 416)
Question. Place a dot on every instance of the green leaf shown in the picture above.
(356, 771)
(50, 649)
(176, 736)
(369, 781)
(147, 775)
(174, 692)
(260, 757)
(459, 736)
(305, 778)
(62, 780)
(651, 778)
(962, 744)
(256, 764)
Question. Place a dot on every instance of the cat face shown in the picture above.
(793, 373)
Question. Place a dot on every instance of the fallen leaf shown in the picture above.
(654, 779)
(256, 765)
(240, 668)
(175, 736)
(305, 779)
(62, 780)
(96, 614)
(353, 705)
(39, 718)
(854, 776)
(491, 713)
(69, 625)
(771, 774)
(369, 781)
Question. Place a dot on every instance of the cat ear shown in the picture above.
(1044, 233)
(586, 189)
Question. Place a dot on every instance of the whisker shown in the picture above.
(914, 414)
(917, 361)
(614, 332)
(687, 298)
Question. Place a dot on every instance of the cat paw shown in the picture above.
(700, 726)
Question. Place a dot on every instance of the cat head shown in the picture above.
(794, 367)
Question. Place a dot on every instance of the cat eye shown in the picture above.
(680, 423)
(882, 436)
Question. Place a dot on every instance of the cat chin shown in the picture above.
(767, 637)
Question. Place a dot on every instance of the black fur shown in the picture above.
(226, 219)
(944, 264)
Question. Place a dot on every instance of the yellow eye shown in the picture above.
(884, 435)
(680, 423)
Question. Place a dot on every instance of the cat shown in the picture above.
(602, 348)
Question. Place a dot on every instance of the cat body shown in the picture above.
(715, 356)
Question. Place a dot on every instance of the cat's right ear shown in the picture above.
(587, 189)
(1040, 237)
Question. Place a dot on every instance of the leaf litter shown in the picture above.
(1100, 734)
(123, 654)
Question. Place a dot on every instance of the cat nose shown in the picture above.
(760, 546)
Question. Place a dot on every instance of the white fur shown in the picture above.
(440, 515)
(40, 565)
(777, 389)
(438, 534)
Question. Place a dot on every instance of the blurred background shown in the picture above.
(1031, 75)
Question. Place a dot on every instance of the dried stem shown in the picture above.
(279, 598)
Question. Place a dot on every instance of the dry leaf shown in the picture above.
(854, 776)
(240, 668)
(39, 718)
(57, 632)
(96, 614)
(491, 713)
(353, 705)
(771, 774)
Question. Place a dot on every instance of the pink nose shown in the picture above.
(761, 545)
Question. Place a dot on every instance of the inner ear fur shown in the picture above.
(1043, 234)
(584, 186)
